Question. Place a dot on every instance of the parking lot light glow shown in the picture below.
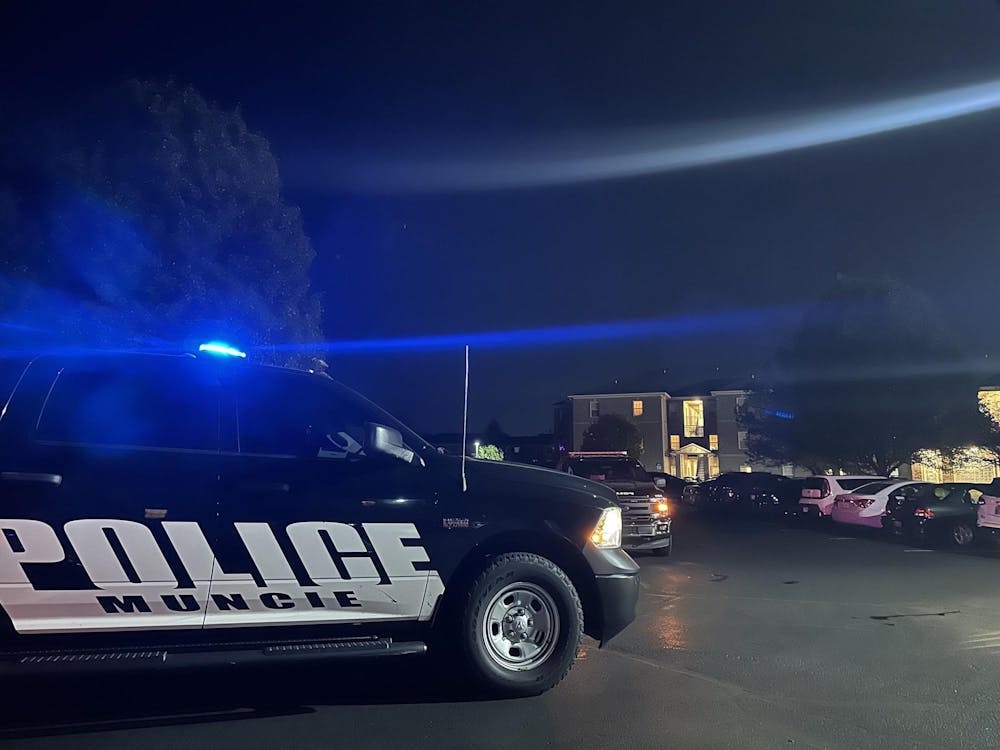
(222, 350)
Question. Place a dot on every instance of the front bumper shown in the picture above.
(639, 543)
(617, 579)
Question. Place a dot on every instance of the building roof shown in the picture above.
(655, 384)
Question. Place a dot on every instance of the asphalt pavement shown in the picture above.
(753, 635)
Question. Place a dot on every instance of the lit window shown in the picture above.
(741, 440)
(713, 442)
(746, 468)
(675, 442)
(713, 466)
(637, 408)
(595, 408)
(694, 419)
(989, 402)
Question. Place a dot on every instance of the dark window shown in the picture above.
(163, 407)
(288, 415)
(608, 469)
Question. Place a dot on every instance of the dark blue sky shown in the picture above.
(337, 87)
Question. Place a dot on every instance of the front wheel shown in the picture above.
(522, 625)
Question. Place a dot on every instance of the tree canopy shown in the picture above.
(149, 216)
(870, 378)
(612, 432)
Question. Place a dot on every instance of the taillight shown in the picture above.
(923, 513)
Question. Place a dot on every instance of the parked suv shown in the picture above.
(645, 511)
(819, 493)
(164, 511)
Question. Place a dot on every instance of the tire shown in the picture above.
(522, 625)
(962, 534)
(662, 551)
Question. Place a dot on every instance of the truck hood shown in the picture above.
(520, 480)
(634, 489)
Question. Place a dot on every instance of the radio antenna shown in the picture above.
(465, 420)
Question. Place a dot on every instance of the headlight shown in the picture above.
(607, 533)
(662, 507)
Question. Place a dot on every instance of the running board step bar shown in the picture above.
(61, 661)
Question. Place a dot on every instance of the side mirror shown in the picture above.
(389, 442)
(660, 482)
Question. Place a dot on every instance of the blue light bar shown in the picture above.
(222, 350)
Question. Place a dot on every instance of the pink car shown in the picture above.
(819, 492)
(989, 510)
(867, 504)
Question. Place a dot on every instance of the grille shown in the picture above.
(109, 656)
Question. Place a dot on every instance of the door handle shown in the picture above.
(30, 477)
(252, 486)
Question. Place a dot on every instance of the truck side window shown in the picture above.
(142, 408)
(295, 418)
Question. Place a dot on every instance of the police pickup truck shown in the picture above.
(645, 510)
(174, 510)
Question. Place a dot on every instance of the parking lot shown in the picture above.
(750, 635)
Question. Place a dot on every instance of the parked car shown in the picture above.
(692, 495)
(939, 512)
(169, 511)
(672, 487)
(988, 516)
(777, 497)
(866, 505)
(819, 492)
(731, 492)
(646, 513)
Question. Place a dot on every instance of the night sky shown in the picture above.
(341, 88)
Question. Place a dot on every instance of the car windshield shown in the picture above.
(608, 469)
(853, 484)
(872, 488)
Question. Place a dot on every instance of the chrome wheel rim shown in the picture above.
(521, 627)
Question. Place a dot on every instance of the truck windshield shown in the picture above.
(609, 470)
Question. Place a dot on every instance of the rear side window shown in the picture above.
(149, 408)
(290, 416)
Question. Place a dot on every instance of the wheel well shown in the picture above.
(547, 545)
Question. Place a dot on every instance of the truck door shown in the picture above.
(108, 506)
(332, 532)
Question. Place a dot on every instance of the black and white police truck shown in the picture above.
(175, 510)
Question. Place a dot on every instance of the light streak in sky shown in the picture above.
(631, 155)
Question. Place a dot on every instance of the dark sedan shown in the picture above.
(937, 513)
(776, 497)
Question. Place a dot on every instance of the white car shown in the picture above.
(819, 492)
(866, 505)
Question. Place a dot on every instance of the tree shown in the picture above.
(494, 434)
(489, 452)
(870, 378)
(148, 216)
(612, 432)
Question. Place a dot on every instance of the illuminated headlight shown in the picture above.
(607, 533)
(662, 507)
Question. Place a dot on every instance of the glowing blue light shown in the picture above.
(222, 350)
(722, 322)
(780, 414)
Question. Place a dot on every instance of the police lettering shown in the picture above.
(369, 569)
